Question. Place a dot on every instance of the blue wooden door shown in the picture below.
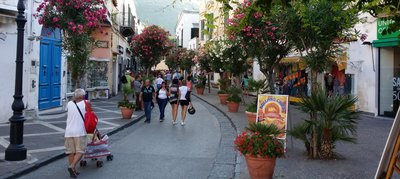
(50, 73)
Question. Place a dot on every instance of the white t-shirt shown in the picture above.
(75, 125)
(162, 94)
(159, 81)
(183, 90)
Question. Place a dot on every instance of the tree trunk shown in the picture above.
(271, 81)
(326, 145)
(209, 82)
(314, 134)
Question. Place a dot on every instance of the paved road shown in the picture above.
(156, 150)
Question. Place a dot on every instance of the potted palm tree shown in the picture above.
(125, 105)
(251, 110)
(234, 99)
(223, 96)
(335, 120)
(200, 85)
(222, 93)
(260, 146)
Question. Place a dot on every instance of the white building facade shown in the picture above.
(187, 28)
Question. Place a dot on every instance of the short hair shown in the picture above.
(175, 81)
(79, 93)
(184, 82)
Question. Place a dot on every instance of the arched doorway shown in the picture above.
(50, 69)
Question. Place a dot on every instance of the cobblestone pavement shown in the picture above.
(201, 149)
(357, 160)
(44, 139)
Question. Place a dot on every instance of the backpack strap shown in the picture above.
(87, 106)
(83, 118)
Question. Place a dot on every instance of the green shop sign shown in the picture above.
(384, 24)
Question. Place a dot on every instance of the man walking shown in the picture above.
(147, 94)
(75, 132)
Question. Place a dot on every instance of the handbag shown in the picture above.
(191, 110)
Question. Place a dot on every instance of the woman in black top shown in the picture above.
(173, 99)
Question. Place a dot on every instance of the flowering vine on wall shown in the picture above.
(77, 19)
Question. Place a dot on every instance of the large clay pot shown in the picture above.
(233, 107)
(200, 91)
(251, 117)
(126, 113)
(260, 168)
(222, 98)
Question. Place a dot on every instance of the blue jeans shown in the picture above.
(147, 110)
(162, 103)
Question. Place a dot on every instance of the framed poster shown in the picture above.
(273, 109)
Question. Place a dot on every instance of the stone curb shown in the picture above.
(28, 169)
(226, 164)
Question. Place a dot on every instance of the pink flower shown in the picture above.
(55, 19)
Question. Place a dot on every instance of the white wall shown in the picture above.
(186, 21)
(31, 53)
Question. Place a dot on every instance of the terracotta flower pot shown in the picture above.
(260, 168)
(126, 113)
(251, 117)
(233, 107)
(200, 91)
(222, 98)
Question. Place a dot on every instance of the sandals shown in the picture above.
(72, 173)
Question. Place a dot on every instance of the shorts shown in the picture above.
(75, 144)
(184, 102)
(174, 102)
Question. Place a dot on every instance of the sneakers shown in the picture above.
(174, 122)
(182, 123)
(161, 120)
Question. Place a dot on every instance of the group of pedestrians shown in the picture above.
(168, 88)
(177, 93)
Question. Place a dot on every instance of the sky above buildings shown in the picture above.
(163, 12)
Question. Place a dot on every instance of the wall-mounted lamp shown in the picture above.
(372, 53)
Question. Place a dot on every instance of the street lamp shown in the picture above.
(16, 151)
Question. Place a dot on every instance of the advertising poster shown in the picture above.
(273, 109)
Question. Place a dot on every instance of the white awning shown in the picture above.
(99, 59)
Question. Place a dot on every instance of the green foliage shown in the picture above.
(127, 104)
(259, 140)
(199, 85)
(257, 86)
(388, 8)
(234, 98)
(252, 107)
(314, 32)
(223, 83)
(334, 120)
(232, 90)
(222, 91)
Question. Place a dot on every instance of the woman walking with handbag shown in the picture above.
(184, 100)
(173, 99)
(162, 99)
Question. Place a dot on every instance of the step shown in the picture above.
(54, 113)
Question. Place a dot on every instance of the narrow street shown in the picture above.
(156, 150)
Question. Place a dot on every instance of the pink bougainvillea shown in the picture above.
(73, 16)
(151, 44)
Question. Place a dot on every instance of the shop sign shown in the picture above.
(383, 24)
(396, 89)
(273, 109)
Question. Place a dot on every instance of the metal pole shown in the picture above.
(16, 151)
